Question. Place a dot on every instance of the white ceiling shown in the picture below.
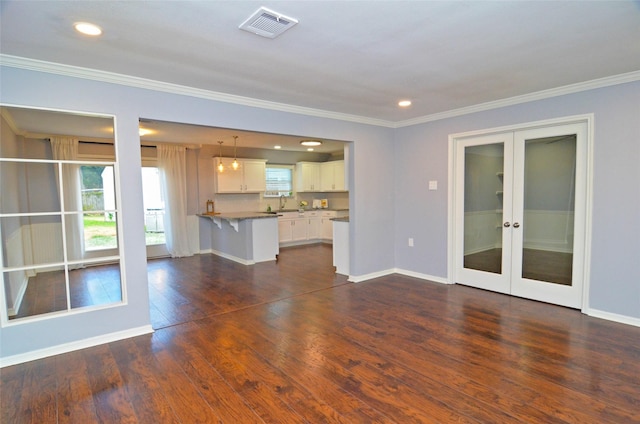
(351, 57)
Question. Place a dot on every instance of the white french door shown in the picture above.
(520, 212)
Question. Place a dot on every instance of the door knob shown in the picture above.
(507, 224)
(516, 225)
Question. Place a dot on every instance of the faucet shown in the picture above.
(283, 201)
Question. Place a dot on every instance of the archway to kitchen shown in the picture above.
(303, 189)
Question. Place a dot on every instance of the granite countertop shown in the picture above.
(240, 215)
(341, 219)
(310, 210)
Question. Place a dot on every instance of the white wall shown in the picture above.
(421, 155)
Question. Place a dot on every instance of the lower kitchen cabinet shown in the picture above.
(309, 226)
(313, 225)
(292, 226)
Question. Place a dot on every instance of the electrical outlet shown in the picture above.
(433, 185)
(410, 242)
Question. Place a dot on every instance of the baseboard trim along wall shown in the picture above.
(622, 319)
(70, 347)
(366, 277)
(432, 278)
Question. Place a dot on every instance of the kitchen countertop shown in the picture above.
(310, 210)
(341, 219)
(239, 216)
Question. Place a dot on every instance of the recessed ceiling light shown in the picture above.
(277, 147)
(404, 103)
(87, 28)
(311, 142)
(310, 149)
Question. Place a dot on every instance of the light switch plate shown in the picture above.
(433, 185)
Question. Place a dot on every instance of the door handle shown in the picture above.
(516, 225)
(507, 224)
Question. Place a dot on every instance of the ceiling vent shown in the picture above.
(267, 23)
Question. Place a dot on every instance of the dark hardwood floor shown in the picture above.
(291, 342)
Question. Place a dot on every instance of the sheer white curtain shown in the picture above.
(66, 148)
(172, 164)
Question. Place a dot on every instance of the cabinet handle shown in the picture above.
(507, 224)
(516, 225)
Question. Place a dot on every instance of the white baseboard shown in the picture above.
(232, 258)
(441, 280)
(623, 319)
(77, 345)
(365, 277)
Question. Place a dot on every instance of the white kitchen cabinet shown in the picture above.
(292, 227)
(250, 177)
(314, 228)
(332, 176)
(307, 176)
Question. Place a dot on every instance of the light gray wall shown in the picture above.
(421, 154)
(370, 183)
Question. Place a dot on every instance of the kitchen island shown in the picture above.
(244, 237)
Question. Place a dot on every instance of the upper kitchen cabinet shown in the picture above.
(308, 176)
(332, 176)
(250, 177)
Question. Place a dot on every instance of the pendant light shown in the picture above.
(220, 165)
(235, 165)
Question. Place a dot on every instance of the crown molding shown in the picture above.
(538, 95)
(131, 81)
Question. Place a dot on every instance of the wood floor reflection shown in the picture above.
(540, 265)
(92, 286)
(290, 342)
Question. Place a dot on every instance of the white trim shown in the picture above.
(432, 278)
(525, 98)
(232, 258)
(131, 81)
(365, 277)
(71, 346)
(609, 316)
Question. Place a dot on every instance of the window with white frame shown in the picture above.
(279, 181)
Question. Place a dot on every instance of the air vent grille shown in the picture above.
(267, 23)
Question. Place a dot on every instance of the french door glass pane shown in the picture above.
(483, 173)
(549, 194)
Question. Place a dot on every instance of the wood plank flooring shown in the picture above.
(291, 342)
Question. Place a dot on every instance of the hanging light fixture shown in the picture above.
(220, 165)
(234, 165)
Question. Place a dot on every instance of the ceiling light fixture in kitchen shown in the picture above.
(404, 103)
(311, 143)
(235, 165)
(220, 165)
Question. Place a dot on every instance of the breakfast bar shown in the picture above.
(244, 237)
